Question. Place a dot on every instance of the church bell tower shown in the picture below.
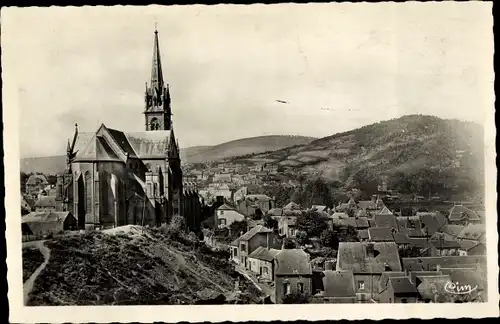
(157, 113)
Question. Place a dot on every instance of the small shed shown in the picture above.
(48, 222)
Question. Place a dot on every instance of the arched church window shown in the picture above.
(154, 124)
(88, 192)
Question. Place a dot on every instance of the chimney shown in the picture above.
(438, 268)
(370, 250)
(329, 265)
(267, 240)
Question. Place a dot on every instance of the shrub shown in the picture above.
(302, 237)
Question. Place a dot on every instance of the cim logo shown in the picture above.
(457, 289)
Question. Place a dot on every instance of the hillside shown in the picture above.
(46, 165)
(244, 146)
(195, 154)
(395, 149)
(134, 266)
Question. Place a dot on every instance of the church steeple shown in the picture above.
(157, 97)
(156, 71)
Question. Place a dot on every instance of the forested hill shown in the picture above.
(414, 153)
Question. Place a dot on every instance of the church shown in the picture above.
(116, 178)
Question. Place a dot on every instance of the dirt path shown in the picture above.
(28, 285)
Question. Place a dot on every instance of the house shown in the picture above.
(293, 274)
(47, 222)
(255, 237)
(380, 234)
(341, 220)
(363, 235)
(319, 208)
(469, 247)
(452, 230)
(287, 226)
(28, 203)
(234, 247)
(474, 232)
(435, 263)
(46, 203)
(35, 183)
(292, 206)
(386, 220)
(398, 290)
(441, 247)
(368, 261)
(431, 288)
(225, 215)
(461, 215)
(335, 287)
(252, 203)
(261, 262)
(222, 177)
(385, 211)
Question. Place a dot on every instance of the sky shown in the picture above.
(339, 66)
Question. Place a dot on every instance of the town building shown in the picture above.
(35, 184)
(293, 274)
(39, 224)
(225, 215)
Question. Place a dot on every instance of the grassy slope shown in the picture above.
(32, 259)
(152, 268)
(401, 144)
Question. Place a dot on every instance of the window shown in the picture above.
(154, 124)
(235, 252)
(286, 288)
(300, 287)
(264, 270)
(243, 247)
(361, 285)
(222, 222)
(221, 212)
(88, 192)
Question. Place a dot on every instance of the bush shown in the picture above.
(302, 237)
(296, 298)
(178, 224)
(288, 243)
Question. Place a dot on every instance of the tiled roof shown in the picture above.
(420, 242)
(384, 278)
(467, 245)
(459, 212)
(354, 256)
(149, 145)
(388, 221)
(275, 212)
(431, 286)
(361, 213)
(363, 234)
(45, 216)
(472, 232)
(366, 204)
(37, 179)
(263, 253)
(362, 222)
(385, 211)
(225, 207)
(318, 207)
(430, 263)
(442, 244)
(254, 231)
(292, 206)
(380, 234)
(402, 285)
(401, 238)
(258, 197)
(293, 262)
(338, 284)
(451, 229)
(46, 201)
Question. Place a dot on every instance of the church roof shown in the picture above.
(149, 145)
(144, 145)
(97, 149)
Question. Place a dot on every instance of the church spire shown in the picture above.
(156, 71)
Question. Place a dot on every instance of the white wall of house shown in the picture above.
(226, 217)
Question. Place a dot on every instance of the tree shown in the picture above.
(258, 214)
(270, 222)
(311, 222)
(296, 298)
(301, 237)
(52, 180)
(329, 239)
(288, 243)
(237, 227)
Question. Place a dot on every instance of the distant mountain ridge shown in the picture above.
(194, 154)
(404, 146)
